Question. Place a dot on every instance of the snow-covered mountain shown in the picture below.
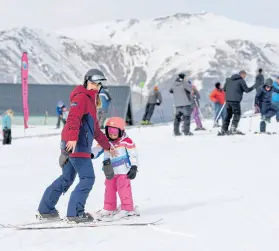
(57, 59)
(202, 44)
(205, 46)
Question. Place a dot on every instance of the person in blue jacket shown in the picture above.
(7, 127)
(59, 112)
(263, 102)
(275, 97)
(103, 110)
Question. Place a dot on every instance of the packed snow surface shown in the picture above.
(214, 193)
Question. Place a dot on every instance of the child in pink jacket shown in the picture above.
(118, 170)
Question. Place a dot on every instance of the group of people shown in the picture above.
(77, 151)
(119, 153)
(227, 101)
(186, 102)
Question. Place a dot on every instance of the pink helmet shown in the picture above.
(115, 122)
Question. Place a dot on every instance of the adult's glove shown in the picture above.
(92, 156)
(108, 169)
(64, 156)
(132, 173)
(158, 103)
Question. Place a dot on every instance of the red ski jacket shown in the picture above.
(82, 124)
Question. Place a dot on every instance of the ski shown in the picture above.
(38, 222)
(87, 225)
(267, 133)
(231, 134)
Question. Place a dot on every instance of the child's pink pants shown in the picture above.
(121, 184)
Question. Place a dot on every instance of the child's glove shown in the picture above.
(132, 173)
(108, 169)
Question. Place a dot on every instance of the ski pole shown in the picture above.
(251, 116)
(161, 114)
(199, 110)
(219, 114)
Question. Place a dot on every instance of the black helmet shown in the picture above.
(96, 76)
(269, 82)
(181, 75)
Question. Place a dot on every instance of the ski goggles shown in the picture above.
(113, 130)
(97, 79)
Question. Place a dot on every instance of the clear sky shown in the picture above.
(57, 14)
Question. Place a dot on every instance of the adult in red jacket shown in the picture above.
(77, 138)
(217, 96)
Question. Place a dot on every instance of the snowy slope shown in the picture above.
(214, 193)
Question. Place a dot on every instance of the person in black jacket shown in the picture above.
(234, 88)
(264, 104)
(259, 82)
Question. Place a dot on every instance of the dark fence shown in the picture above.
(42, 98)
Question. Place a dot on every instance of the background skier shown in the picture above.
(195, 106)
(77, 138)
(217, 96)
(65, 114)
(234, 89)
(154, 98)
(263, 102)
(7, 127)
(259, 81)
(275, 96)
(59, 112)
(119, 171)
(103, 110)
(181, 91)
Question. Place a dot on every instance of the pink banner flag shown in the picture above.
(24, 83)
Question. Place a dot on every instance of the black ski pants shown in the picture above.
(149, 109)
(7, 137)
(233, 110)
(182, 113)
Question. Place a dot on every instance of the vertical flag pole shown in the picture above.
(24, 85)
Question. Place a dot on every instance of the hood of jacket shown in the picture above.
(236, 77)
